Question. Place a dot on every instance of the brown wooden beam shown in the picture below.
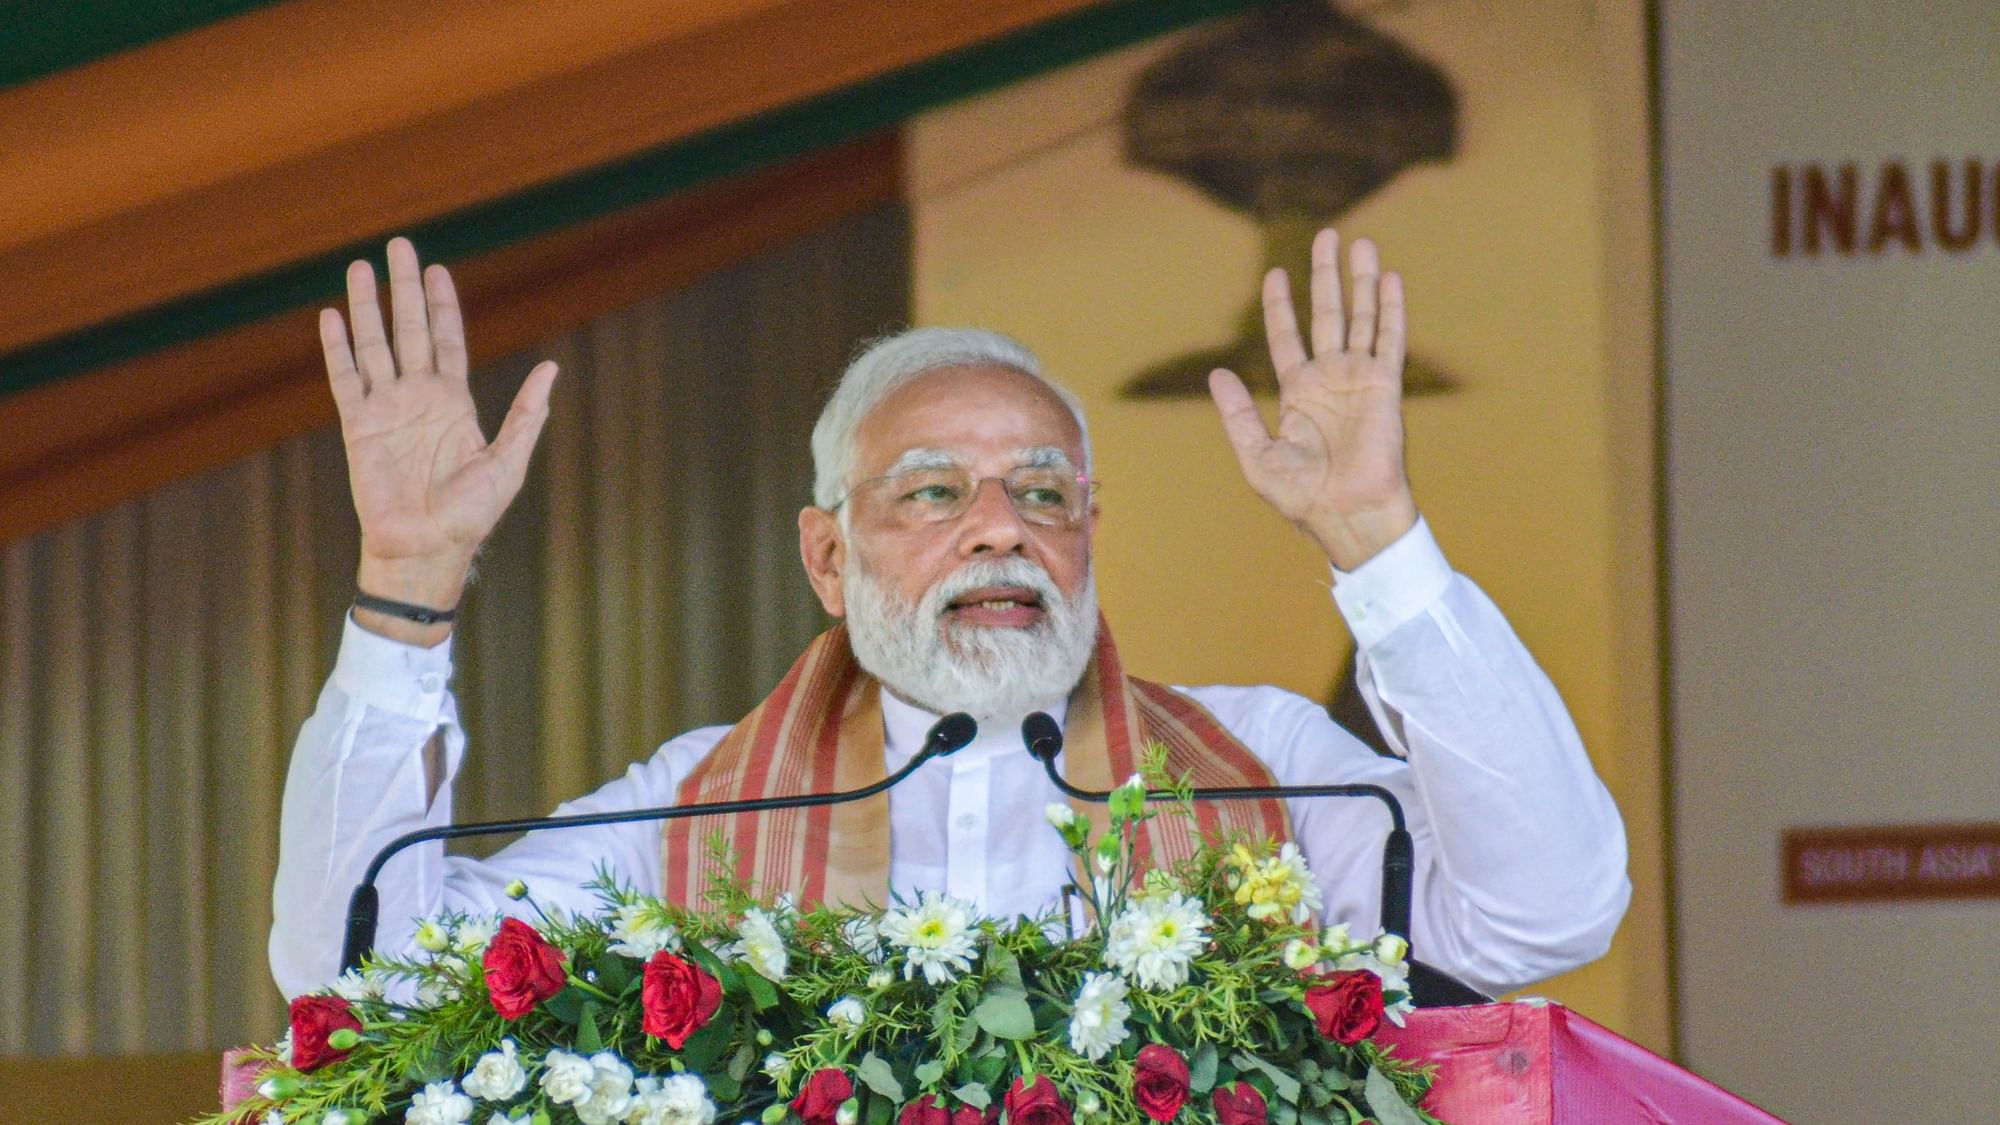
(299, 128)
(96, 440)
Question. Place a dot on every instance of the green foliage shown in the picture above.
(1239, 1016)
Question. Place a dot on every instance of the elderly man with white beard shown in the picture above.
(951, 532)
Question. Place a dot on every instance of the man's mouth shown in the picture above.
(1010, 606)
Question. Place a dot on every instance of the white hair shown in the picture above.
(892, 361)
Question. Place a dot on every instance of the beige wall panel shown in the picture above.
(1832, 461)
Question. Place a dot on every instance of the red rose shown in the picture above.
(924, 1111)
(678, 998)
(1159, 1081)
(522, 969)
(1350, 1008)
(1038, 1104)
(820, 1100)
(313, 1019)
(1239, 1104)
(966, 1115)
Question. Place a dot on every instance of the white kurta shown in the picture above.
(1520, 851)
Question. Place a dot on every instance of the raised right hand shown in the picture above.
(428, 487)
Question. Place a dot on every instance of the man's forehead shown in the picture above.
(918, 458)
(969, 412)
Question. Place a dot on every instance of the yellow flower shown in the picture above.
(1277, 888)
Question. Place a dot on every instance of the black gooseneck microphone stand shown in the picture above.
(1429, 987)
(951, 734)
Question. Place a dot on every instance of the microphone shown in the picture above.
(1044, 739)
(947, 736)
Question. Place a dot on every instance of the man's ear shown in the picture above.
(824, 552)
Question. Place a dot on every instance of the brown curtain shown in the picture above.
(157, 659)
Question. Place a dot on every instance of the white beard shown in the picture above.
(992, 673)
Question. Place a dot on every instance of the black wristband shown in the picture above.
(421, 614)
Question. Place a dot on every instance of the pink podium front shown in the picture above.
(1498, 1064)
(1536, 1064)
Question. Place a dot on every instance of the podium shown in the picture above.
(1497, 1064)
(1542, 1064)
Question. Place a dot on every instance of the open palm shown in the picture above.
(428, 487)
(1334, 465)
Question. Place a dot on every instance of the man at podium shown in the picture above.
(951, 531)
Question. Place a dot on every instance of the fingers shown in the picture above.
(1329, 324)
(1366, 267)
(1240, 420)
(406, 298)
(371, 347)
(348, 386)
(1281, 325)
(515, 443)
(1389, 336)
(447, 324)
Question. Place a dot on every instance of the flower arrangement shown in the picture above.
(1198, 994)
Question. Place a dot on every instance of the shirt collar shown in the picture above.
(905, 725)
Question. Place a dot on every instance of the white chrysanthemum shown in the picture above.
(881, 978)
(776, 1067)
(679, 1099)
(936, 934)
(343, 1117)
(475, 933)
(284, 1048)
(1058, 814)
(433, 992)
(565, 1076)
(439, 1103)
(1336, 937)
(356, 985)
(1097, 1025)
(864, 936)
(847, 1012)
(1155, 939)
(763, 946)
(638, 931)
(1278, 888)
(515, 1117)
(497, 1076)
(432, 936)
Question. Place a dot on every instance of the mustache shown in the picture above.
(1011, 571)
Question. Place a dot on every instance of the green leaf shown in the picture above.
(987, 1071)
(1201, 1069)
(589, 1040)
(876, 1075)
(541, 1117)
(724, 1089)
(880, 1111)
(1003, 973)
(1285, 1085)
(614, 972)
(974, 1095)
(928, 1073)
(963, 1036)
(702, 1050)
(566, 1005)
(1385, 1102)
(741, 1062)
(762, 992)
(1005, 1016)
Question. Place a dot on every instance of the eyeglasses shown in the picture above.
(1046, 497)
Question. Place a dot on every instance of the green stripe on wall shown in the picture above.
(39, 37)
(757, 142)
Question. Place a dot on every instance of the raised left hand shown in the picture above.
(1335, 465)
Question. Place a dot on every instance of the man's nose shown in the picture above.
(991, 524)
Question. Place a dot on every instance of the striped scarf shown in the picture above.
(820, 731)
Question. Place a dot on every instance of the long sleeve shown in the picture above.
(357, 782)
(1521, 865)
